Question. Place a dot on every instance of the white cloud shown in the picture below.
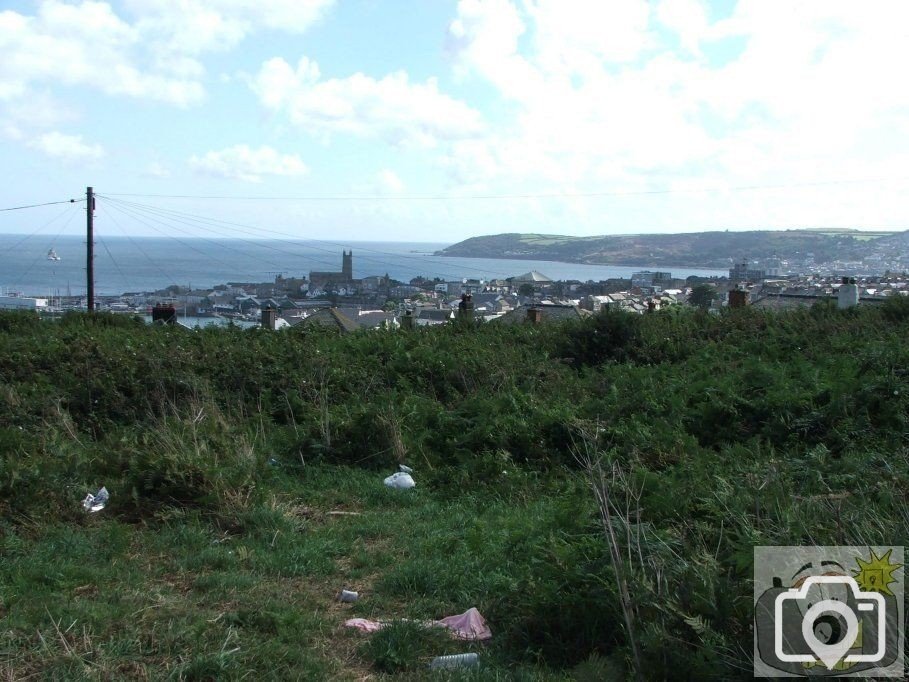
(67, 147)
(156, 169)
(241, 162)
(85, 44)
(392, 108)
(576, 120)
(616, 96)
(151, 51)
(389, 181)
(485, 37)
(687, 19)
(36, 110)
(195, 26)
(576, 35)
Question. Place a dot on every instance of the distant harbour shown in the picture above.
(151, 263)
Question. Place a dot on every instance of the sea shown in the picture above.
(134, 264)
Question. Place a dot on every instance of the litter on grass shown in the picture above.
(469, 625)
(406, 469)
(364, 624)
(455, 661)
(348, 596)
(400, 481)
(96, 502)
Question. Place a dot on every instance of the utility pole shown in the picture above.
(90, 247)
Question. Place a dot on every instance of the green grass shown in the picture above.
(245, 472)
(189, 595)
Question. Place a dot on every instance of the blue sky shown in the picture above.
(432, 120)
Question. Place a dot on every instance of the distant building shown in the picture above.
(22, 303)
(376, 283)
(778, 298)
(462, 286)
(404, 291)
(847, 294)
(377, 320)
(648, 280)
(433, 316)
(293, 286)
(532, 277)
(491, 302)
(319, 280)
(331, 318)
(596, 303)
(773, 267)
(743, 272)
(535, 314)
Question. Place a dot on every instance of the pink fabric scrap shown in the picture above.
(469, 625)
(364, 625)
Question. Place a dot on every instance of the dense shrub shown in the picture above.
(610, 335)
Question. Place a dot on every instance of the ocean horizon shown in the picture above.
(125, 264)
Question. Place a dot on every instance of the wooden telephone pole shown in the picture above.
(90, 247)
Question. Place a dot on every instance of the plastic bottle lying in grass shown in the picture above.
(400, 481)
(96, 502)
(455, 661)
(348, 596)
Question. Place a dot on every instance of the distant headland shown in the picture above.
(693, 249)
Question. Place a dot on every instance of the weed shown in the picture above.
(404, 646)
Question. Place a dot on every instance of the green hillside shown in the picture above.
(245, 471)
(696, 249)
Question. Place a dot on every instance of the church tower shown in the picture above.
(347, 265)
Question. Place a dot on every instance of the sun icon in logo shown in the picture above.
(876, 574)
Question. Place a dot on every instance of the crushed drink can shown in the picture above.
(455, 661)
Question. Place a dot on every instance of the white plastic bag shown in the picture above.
(400, 481)
(96, 502)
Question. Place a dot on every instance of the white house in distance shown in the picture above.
(22, 303)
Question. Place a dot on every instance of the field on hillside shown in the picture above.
(245, 473)
(717, 249)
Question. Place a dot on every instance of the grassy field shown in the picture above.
(252, 592)
(245, 470)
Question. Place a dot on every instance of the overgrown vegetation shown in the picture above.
(229, 454)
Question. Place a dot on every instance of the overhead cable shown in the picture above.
(48, 203)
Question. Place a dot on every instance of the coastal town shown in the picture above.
(339, 300)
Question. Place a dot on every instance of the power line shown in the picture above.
(176, 239)
(126, 282)
(49, 203)
(29, 236)
(130, 209)
(420, 261)
(31, 265)
(200, 222)
(167, 276)
(529, 195)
